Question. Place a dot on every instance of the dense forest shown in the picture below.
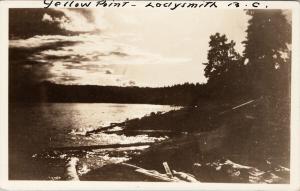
(263, 69)
(186, 94)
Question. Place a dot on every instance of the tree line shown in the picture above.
(184, 94)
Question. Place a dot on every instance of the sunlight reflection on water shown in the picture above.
(39, 126)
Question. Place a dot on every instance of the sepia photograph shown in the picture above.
(149, 95)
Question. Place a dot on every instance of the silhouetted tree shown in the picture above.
(223, 61)
(266, 50)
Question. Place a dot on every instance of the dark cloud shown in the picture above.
(55, 57)
(117, 53)
(20, 75)
(25, 23)
(89, 67)
(25, 52)
(37, 54)
(25, 70)
(108, 72)
(22, 56)
(73, 58)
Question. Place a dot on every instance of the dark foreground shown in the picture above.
(245, 141)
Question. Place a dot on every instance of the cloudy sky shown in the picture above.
(119, 47)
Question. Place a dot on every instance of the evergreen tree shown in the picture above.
(268, 36)
(223, 62)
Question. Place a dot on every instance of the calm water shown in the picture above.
(36, 127)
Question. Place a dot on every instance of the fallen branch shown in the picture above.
(152, 173)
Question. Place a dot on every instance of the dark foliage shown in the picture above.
(186, 94)
(224, 67)
(266, 50)
(263, 70)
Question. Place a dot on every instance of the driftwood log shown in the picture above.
(70, 171)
